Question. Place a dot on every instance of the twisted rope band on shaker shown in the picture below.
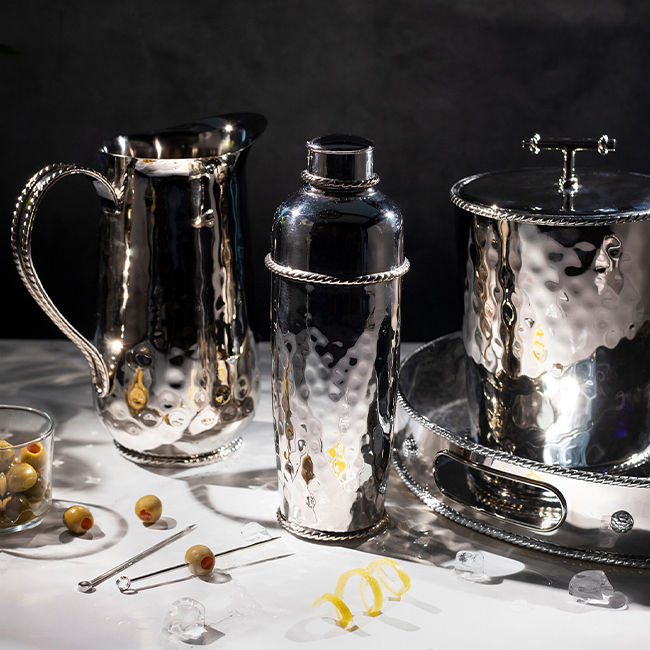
(321, 278)
(338, 184)
(326, 536)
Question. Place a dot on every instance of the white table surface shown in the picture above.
(268, 604)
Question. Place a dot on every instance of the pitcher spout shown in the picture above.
(214, 137)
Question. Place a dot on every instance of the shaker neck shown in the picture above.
(340, 161)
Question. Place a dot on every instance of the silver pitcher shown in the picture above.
(557, 311)
(173, 362)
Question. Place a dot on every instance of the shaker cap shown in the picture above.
(340, 157)
(333, 231)
(555, 196)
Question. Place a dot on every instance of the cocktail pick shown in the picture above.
(87, 586)
(199, 558)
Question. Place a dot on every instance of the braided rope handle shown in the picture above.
(21, 245)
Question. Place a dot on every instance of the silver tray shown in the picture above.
(563, 511)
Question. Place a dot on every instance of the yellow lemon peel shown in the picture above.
(343, 612)
(376, 567)
(373, 583)
(367, 578)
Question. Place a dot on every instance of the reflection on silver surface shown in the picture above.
(335, 341)
(557, 330)
(433, 413)
(174, 361)
(557, 312)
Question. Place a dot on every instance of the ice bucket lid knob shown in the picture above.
(568, 182)
(535, 195)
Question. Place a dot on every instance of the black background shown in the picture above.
(445, 88)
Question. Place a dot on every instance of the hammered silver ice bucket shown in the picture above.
(173, 360)
(557, 311)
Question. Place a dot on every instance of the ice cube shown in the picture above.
(254, 532)
(593, 588)
(185, 619)
(469, 565)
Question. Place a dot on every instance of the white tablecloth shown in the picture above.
(265, 598)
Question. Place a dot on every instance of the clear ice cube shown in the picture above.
(469, 565)
(254, 532)
(593, 588)
(185, 619)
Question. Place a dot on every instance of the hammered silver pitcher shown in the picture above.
(173, 361)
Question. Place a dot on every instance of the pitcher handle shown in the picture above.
(21, 245)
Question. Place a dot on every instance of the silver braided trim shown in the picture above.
(327, 536)
(512, 538)
(21, 244)
(336, 184)
(541, 220)
(179, 461)
(320, 278)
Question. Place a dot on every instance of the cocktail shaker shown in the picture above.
(337, 258)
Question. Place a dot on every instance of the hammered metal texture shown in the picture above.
(557, 335)
(607, 518)
(337, 256)
(184, 377)
(334, 399)
(174, 360)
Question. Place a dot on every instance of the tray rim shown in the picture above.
(531, 543)
(517, 539)
(497, 454)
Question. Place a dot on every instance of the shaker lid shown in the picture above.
(340, 160)
(556, 196)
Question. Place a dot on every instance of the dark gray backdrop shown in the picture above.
(445, 88)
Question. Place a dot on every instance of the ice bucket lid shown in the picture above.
(553, 196)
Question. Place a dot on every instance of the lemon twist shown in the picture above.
(343, 612)
(377, 567)
(367, 578)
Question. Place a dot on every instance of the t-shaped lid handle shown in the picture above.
(569, 181)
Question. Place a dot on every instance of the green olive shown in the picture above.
(17, 509)
(148, 508)
(20, 477)
(34, 455)
(200, 559)
(78, 519)
(7, 455)
(39, 490)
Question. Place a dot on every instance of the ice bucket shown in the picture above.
(556, 324)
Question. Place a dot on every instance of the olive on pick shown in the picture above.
(148, 508)
(78, 519)
(20, 477)
(200, 560)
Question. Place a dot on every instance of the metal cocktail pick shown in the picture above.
(124, 583)
(86, 586)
